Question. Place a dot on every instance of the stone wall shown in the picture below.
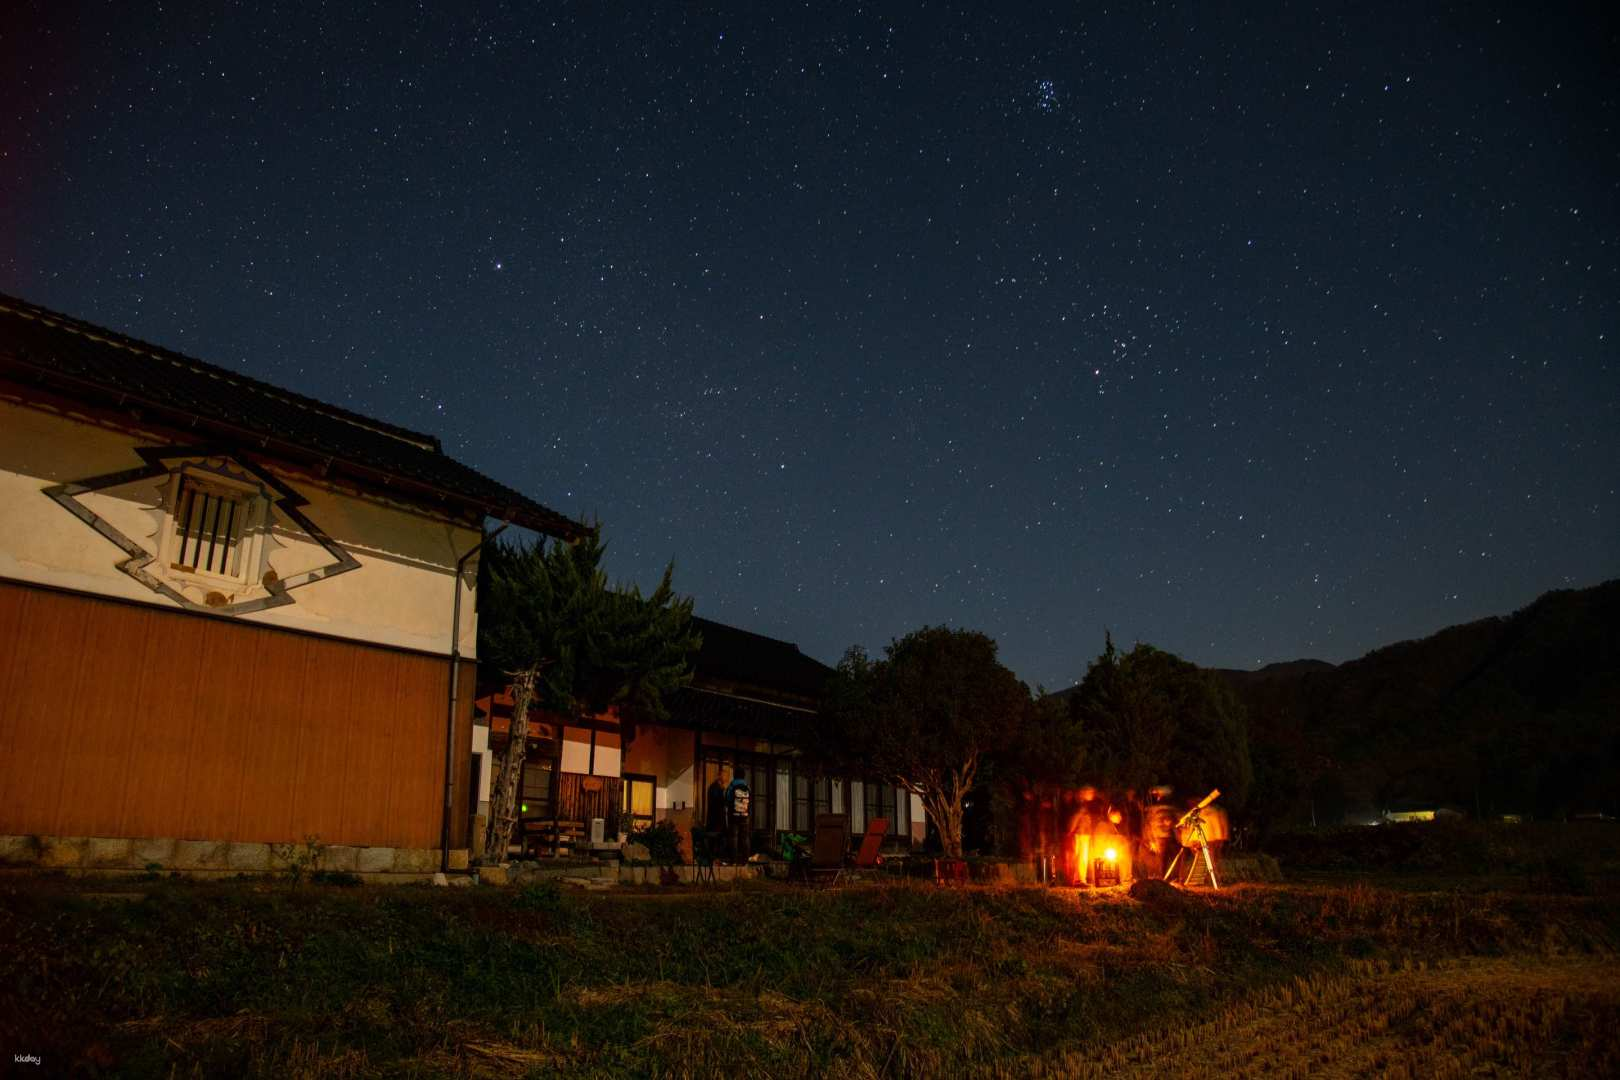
(211, 858)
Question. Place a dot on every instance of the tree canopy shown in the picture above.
(1149, 717)
(550, 621)
(924, 717)
(597, 646)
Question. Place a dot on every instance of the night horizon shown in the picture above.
(1252, 341)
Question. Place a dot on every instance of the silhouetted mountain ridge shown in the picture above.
(1517, 713)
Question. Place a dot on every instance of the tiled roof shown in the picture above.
(743, 684)
(699, 710)
(748, 684)
(733, 655)
(86, 362)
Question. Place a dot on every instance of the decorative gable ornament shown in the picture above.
(209, 529)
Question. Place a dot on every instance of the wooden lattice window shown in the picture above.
(883, 801)
(209, 522)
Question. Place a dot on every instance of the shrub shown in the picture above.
(299, 859)
(538, 896)
(335, 877)
(662, 841)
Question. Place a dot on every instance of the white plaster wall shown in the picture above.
(919, 820)
(480, 748)
(608, 754)
(576, 750)
(401, 594)
(682, 771)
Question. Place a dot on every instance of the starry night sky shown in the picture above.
(1252, 335)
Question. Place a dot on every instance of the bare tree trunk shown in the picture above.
(947, 815)
(951, 835)
(503, 807)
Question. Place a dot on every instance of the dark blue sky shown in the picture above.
(1254, 335)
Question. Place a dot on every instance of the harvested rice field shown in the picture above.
(271, 979)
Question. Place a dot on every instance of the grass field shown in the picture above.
(268, 979)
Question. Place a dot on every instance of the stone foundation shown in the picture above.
(685, 875)
(215, 858)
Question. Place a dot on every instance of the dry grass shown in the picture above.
(872, 982)
(1458, 1018)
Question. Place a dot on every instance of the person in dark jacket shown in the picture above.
(739, 801)
(714, 816)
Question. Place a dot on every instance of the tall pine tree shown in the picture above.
(551, 622)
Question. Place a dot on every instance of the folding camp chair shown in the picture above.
(828, 849)
(868, 858)
(703, 848)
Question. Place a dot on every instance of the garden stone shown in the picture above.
(1157, 895)
(375, 860)
(200, 855)
(19, 850)
(159, 850)
(340, 858)
(58, 851)
(415, 860)
(248, 857)
(106, 851)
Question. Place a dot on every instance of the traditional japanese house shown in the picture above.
(231, 616)
(748, 697)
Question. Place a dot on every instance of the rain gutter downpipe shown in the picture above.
(455, 687)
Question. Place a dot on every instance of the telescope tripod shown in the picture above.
(1201, 843)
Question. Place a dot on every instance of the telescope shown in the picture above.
(1193, 822)
(1193, 813)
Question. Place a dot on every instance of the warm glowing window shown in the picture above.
(640, 797)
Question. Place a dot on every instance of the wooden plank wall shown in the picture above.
(573, 803)
(128, 720)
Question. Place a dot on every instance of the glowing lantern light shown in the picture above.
(1111, 855)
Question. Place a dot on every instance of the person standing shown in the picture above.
(715, 817)
(739, 801)
(1158, 833)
